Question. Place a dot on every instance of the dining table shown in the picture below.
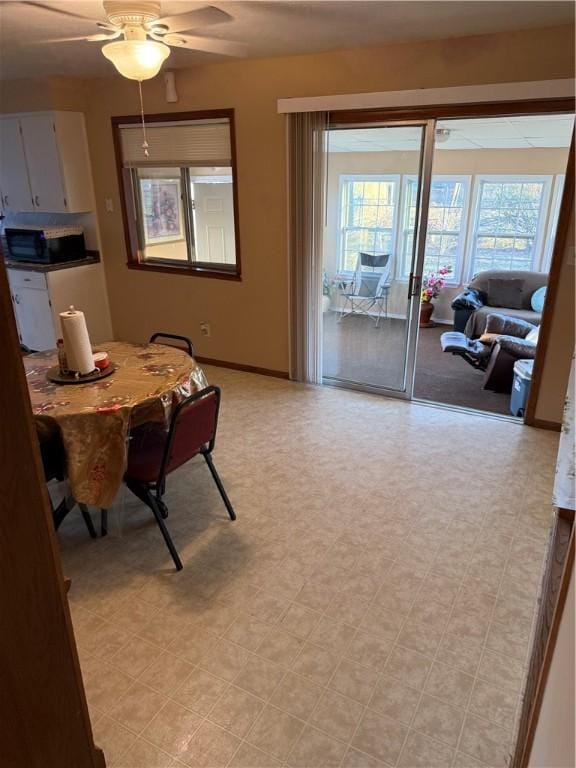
(95, 418)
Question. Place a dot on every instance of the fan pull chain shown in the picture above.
(144, 143)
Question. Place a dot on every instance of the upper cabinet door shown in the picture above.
(16, 192)
(43, 161)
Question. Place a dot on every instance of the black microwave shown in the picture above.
(50, 245)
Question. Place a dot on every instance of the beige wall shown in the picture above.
(250, 319)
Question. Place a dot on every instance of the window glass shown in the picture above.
(367, 217)
(212, 198)
(162, 221)
(509, 218)
(446, 224)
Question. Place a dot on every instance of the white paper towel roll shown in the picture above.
(76, 341)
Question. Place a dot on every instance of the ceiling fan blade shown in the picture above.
(60, 11)
(106, 25)
(206, 45)
(201, 17)
(99, 37)
(89, 38)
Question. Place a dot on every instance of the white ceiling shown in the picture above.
(268, 28)
(489, 133)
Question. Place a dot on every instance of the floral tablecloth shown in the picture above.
(95, 419)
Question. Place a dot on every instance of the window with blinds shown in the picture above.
(179, 193)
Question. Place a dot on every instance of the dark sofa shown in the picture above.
(474, 304)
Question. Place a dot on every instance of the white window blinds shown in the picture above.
(201, 143)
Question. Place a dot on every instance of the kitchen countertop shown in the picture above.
(92, 257)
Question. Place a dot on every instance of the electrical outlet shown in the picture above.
(205, 329)
(108, 202)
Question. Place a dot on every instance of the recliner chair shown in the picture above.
(504, 341)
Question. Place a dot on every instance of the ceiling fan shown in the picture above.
(143, 36)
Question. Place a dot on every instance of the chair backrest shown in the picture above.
(192, 428)
(371, 264)
(182, 342)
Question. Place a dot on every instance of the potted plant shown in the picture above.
(431, 287)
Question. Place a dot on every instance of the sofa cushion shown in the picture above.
(477, 321)
(506, 292)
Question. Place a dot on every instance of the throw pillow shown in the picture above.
(506, 292)
(538, 298)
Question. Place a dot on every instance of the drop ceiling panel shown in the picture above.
(518, 143)
(551, 142)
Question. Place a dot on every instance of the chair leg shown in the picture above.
(88, 521)
(103, 522)
(142, 493)
(65, 506)
(219, 485)
(164, 531)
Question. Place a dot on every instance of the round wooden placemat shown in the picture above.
(55, 376)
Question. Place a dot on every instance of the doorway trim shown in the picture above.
(558, 105)
(556, 263)
(460, 94)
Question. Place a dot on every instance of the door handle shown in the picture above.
(414, 285)
(6, 200)
(37, 201)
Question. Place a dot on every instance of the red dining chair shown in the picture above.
(173, 340)
(154, 453)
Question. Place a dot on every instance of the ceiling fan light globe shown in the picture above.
(137, 59)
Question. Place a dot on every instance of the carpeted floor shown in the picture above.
(355, 350)
(371, 606)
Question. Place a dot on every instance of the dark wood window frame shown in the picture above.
(135, 254)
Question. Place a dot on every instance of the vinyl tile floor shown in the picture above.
(371, 606)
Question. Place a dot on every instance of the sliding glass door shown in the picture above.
(378, 184)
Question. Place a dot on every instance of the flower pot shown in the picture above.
(426, 310)
(325, 303)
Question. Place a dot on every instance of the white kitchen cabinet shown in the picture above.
(43, 161)
(39, 297)
(34, 318)
(53, 167)
(16, 192)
